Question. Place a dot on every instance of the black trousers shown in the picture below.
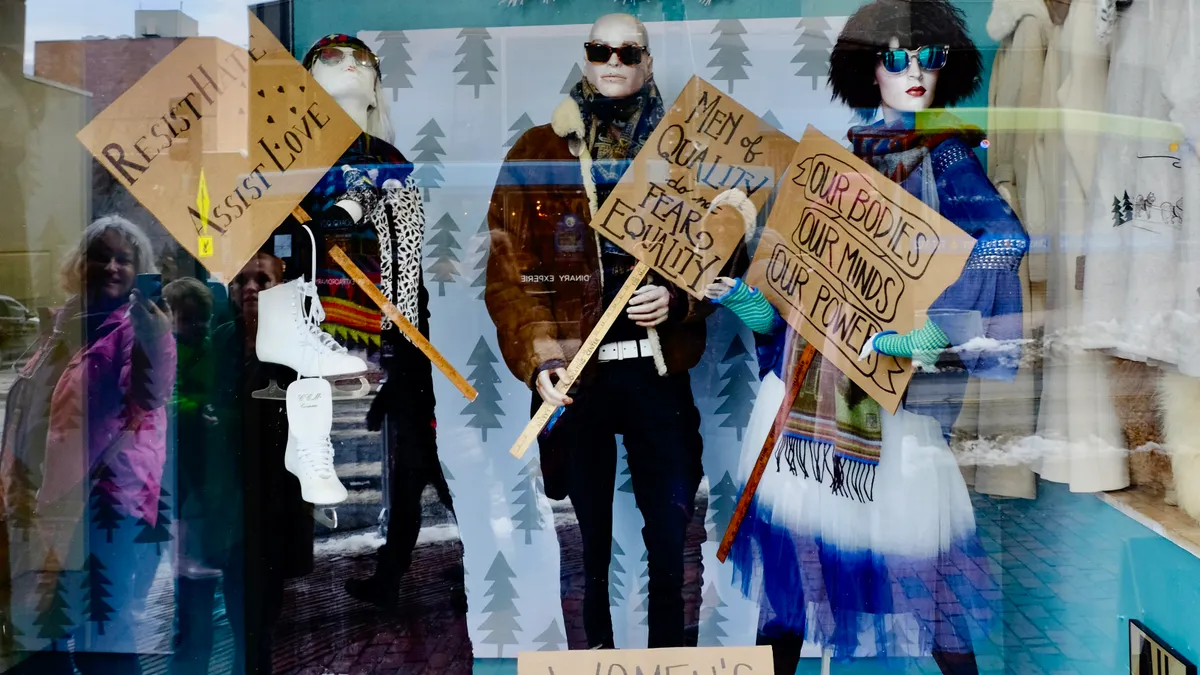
(407, 403)
(658, 419)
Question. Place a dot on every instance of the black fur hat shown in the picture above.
(916, 23)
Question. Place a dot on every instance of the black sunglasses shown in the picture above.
(331, 56)
(931, 57)
(629, 54)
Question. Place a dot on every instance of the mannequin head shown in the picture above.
(613, 78)
(859, 72)
(349, 71)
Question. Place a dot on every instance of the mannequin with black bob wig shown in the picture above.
(915, 23)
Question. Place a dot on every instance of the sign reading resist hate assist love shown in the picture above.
(848, 253)
(221, 143)
(706, 143)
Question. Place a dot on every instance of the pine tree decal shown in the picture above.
(501, 609)
(627, 486)
(518, 128)
(615, 570)
(449, 477)
(737, 392)
(1126, 208)
(104, 502)
(486, 407)
(52, 619)
(96, 593)
(1118, 216)
(722, 500)
(22, 498)
(393, 62)
(770, 120)
(643, 590)
(429, 154)
(710, 630)
(444, 268)
(485, 247)
(730, 59)
(160, 532)
(476, 56)
(528, 516)
(815, 49)
(551, 639)
(573, 79)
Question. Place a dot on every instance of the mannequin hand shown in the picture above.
(545, 387)
(923, 345)
(649, 306)
(150, 322)
(719, 287)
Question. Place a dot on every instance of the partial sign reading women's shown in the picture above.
(848, 253)
(705, 145)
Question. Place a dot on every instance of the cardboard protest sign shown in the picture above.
(848, 253)
(221, 143)
(707, 143)
(677, 661)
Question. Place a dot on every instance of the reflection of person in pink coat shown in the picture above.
(84, 449)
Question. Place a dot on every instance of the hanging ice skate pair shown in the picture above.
(290, 334)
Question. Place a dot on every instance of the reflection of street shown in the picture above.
(7, 377)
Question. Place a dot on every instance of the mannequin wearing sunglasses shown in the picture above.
(368, 204)
(893, 513)
(553, 181)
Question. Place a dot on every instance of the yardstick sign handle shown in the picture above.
(764, 455)
(589, 347)
(410, 331)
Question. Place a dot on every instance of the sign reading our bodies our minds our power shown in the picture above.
(848, 253)
(706, 143)
(221, 143)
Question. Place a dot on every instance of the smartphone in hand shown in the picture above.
(150, 286)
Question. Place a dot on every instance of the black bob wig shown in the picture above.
(916, 23)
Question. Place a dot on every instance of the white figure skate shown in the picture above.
(290, 335)
(309, 454)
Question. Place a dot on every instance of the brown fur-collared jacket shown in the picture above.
(544, 276)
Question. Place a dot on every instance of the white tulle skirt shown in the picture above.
(900, 574)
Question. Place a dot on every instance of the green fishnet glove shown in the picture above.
(751, 307)
(923, 345)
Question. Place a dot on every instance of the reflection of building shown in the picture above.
(105, 68)
(43, 170)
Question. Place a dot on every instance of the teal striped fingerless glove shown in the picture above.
(924, 344)
(751, 307)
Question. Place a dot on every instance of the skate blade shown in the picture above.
(357, 387)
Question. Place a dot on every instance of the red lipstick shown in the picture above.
(916, 92)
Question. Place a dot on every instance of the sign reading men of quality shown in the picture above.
(848, 253)
(706, 143)
(679, 661)
(220, 143)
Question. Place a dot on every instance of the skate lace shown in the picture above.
(316, 456)
(314, 318)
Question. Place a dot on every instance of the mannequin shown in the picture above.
(638, 386)
(858, 503)
(368, 204)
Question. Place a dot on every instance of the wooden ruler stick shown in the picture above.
(764, 455)
(410, 331)
(589, 347)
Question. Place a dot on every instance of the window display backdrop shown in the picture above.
(460, 98)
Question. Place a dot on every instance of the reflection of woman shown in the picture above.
(83, 454)
(862, 528)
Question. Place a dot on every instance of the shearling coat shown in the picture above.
(544, 277)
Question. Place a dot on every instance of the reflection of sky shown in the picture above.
(73, 19)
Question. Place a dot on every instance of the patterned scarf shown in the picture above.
(616, 129)
(896, 150)
(834, 429)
